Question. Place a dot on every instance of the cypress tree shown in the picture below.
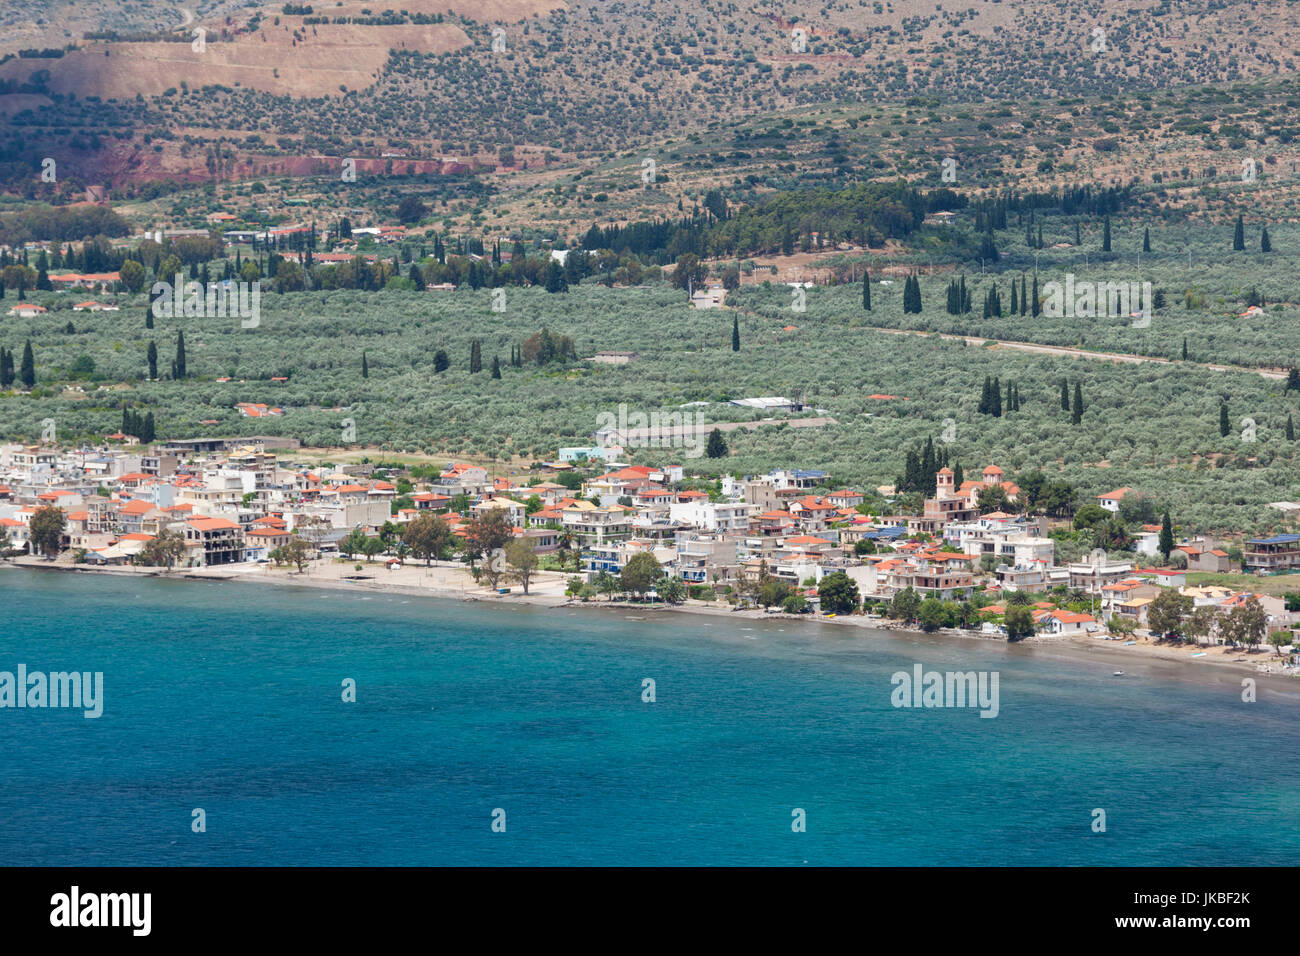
(440, 361)
(475, 357)
(997, 399)
(735, 332)
(1105, 236)
(1290, 430)
(1146, 240)
(866, 296)
(1034, 306)
(988, 250)
(986, 394)
(496, 366)
(1015, 301)
(1239, 236)
(178, 367)
(1265, 244)
(1078, 239)
(153, 359)
(1223, 419)
(365, 366)
(147, 432)
(928, 467)
(1166, 536)
(1024, 296)
(27, 372)
(1076, 413)
(1292, 378)
(148, 316)
(1184, 348)
(958, 476)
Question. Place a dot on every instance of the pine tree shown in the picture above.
(1105, 236)
(27, 372)
(1146, 240)
(365, 365)
(475, 357)
(1223, 419)
(735, 333)
(1265, 244)
(178, 367)
(496, 366)
(1076, 413)
(1239, 236)
(153, 360)
(866, 293)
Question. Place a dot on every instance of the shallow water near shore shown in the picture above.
(227, 696)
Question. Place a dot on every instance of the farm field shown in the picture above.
(1154, 427)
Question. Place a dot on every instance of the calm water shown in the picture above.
(227, 697)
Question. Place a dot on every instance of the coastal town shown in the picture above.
(588, 529)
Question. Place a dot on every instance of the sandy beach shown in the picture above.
(450, 581)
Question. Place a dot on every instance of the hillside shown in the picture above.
(271, 88)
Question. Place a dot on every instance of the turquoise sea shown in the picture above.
(228, 697)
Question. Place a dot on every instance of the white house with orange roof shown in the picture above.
(16, 530)
(84, 280)
(1066, 622)
(213, 541)
(464, 478)
(1111, 499)
(845, 498)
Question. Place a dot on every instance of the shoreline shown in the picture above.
(448, 582)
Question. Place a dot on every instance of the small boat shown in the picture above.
(1199, 654)
(1129, 643)
(1117, 674)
